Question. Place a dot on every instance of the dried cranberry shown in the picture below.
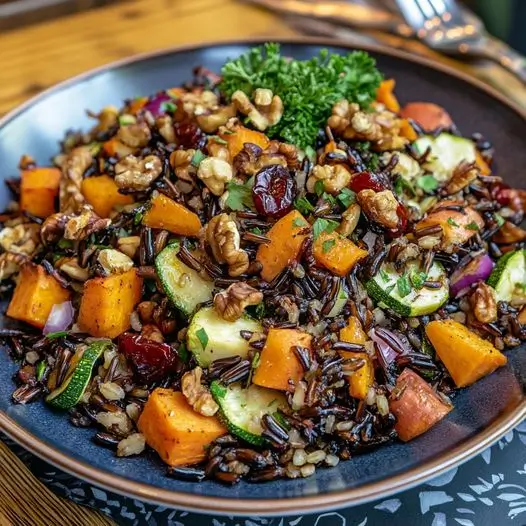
(366, 181)
(188, 134)
(273, 191)
(152, 361)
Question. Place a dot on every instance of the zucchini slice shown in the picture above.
(210, 337)
(388, 285)
(509, 278)
(447, 152)
(183, 285)
(241, 410)
(339, 304)
(69, 393)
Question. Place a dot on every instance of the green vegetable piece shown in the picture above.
(240, 196)
(323, 225)
(427, 183)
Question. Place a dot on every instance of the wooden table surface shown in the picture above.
(36, 57)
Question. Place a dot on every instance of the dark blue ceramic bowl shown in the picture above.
(483, 412)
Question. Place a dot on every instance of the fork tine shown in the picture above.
(426, 6)
(412, 13)
(439, 7)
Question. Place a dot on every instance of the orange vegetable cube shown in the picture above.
(38, 191)
(237, 139)
(35, 295)
(286, 237)
(115, 148)
(169, 215)
(361, 380)
(136, 105)
(407, 131)
(179, 434)
(278, 367)
(482, 164)
(385, 95)
(466, 355)
(353, 332)
(416, 405)
(108, 302)
(103, 195)
(336, 253)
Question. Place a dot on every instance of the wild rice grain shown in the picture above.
(316, 457)
(307, 470)
(299, 458)
(332, 460)
(111, 391)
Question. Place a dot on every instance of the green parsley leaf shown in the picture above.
(402, 184)
(168, 106)
(329, 198)
(452, 222)
(427, 183)
(362, 146)
(197, 158)
(310, 152)
(500, 220)
(418, 279)
(41, 369)
(308, 88)
(319, 188)
(346, 197)
(403, 285)
(472, 226)
(202, 336)
(256, 230)
(327, 245)
(323, 225)
(384, 275)
(126, 119)
(217, 139)
(240, 195)
(56, 335)
(372, 161)
(183, 353)
(65, 243)
(299, 222)
(137, 219)
(303, 205)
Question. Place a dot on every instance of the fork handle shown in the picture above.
(499, 52)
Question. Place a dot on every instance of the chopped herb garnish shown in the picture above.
(41, 369)
(402, 184)
(127, 119)
(197, 158)
(256, 230)
(299, 223)
(362, 146)
(65, 243)
(403, 286)
(384, 275)
(260, 310)
(418, 279)
(183, 353)
(472, 226)
(500, 220)
(203, 337)
(427, 183)
(452, 222)
(323, 225)
(329, 198)
(137, 220)
(346, 197)
(308, 88)
(319, 188)
(218, 139)
(56, 335)
(168, 106)
(372, 161)
(303, 205)
(310, 152)
(327, 245)
(240, 195)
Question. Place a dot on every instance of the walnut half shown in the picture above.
(231, 303)
(223, 237)
(132, 173)
(196, 394)
(484, 303)
(380, 207)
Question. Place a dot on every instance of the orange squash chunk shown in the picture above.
(107, 304)
(169, 215)
(103, 195)
(407, 131)
(336, 253)
(179, 434)
(466, 355)
(35, 295)
(38, 190)
(385, 95)
(115, 148)
(237, 139)
(416, 405)
(482, 164)
(279, 368)
(286, 238)
(353, 332)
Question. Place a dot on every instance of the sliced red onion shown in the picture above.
(155, 106)
(60, 317)
(388, 354)
(478, 269)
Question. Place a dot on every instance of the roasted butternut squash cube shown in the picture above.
(336, 253)
(38, 191)
(102, 193)
(167, 214)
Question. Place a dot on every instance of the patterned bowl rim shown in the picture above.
(267, 507)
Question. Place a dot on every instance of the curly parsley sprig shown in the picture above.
(308, 88)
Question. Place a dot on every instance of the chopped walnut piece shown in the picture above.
(73, 168)
(52, 229)
(380, 207)
(152, 332)
(10, 264)
(266, 110)
(129, 245)
(463, 175)
(181, 163)
(211, 120)
(84, 224)
(20, 239)
(71, 267)
(132, 173)
(215, 173)
(382, 128)
(166, 129)
(231, 303)
(196, 394)
(484, 303)
(350, 219)
(251, 159)
(199, 102)
(223, 237)
(334, 177)
(114, 262)
(135, 135)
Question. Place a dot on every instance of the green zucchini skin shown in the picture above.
(508, 276)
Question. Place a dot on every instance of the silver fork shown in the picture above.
(444, 27)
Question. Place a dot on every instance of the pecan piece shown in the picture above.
(196, 394)
(484, 303)
(380, 207)
(231, 302)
